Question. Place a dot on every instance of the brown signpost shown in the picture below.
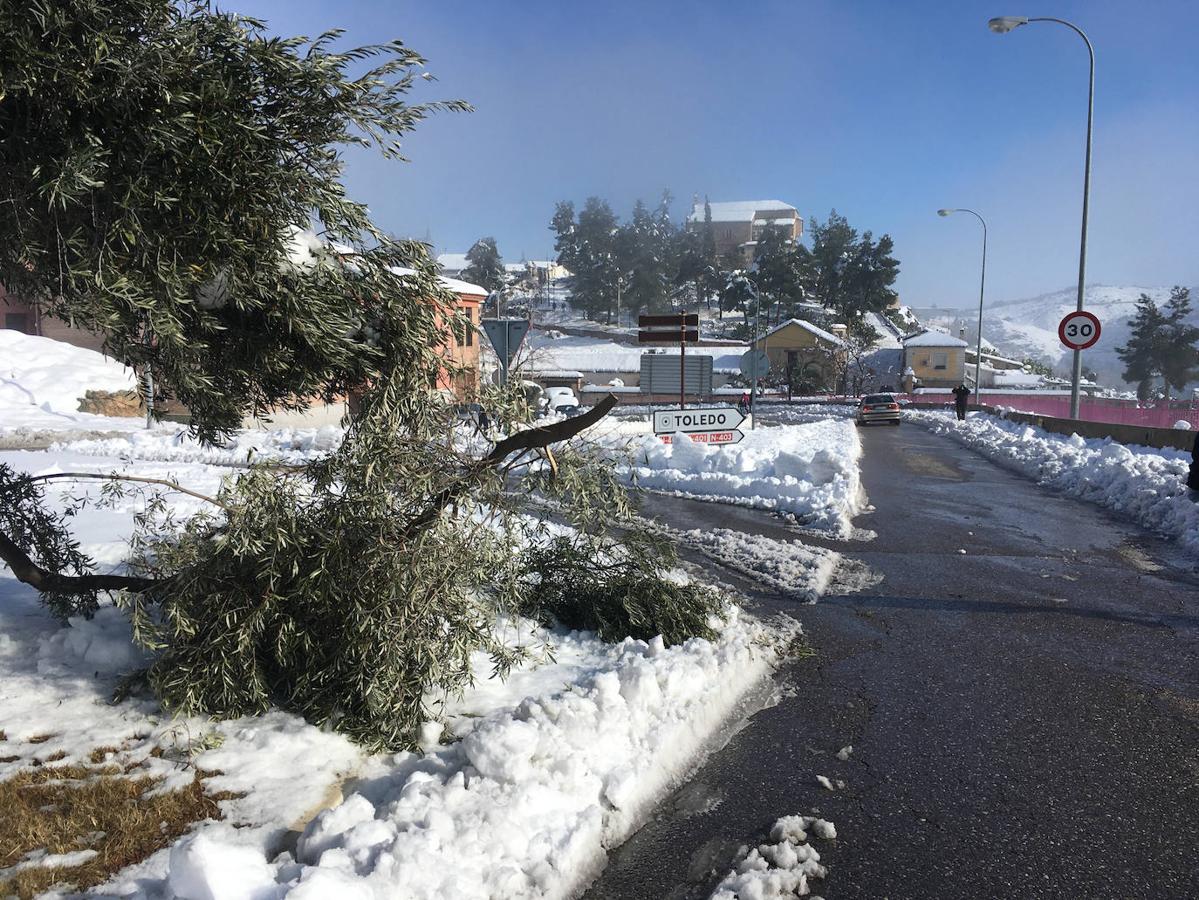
(683, 328)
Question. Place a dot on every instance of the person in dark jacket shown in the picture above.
(1193, 477)
(961, 396)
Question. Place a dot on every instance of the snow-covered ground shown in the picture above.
(809, 471)
(519, 791)
(42, 382)
(1145, 484)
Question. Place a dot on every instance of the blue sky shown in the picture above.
(884, 110)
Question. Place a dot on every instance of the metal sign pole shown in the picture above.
(683, 364)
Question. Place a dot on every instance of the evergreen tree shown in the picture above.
(776, 271)
(648, 255)
(486, 268)
(1142, 355)
(712, 276)
(849, 273)
(588, 248)
(1180, 365)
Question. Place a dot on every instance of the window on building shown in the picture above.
(17, 322)
(941, 361)
(728, 232)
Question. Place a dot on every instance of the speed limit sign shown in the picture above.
(1079, 330)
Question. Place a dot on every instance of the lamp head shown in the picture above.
(944, 212)
(1004, 24)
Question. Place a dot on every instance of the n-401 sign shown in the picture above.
(697, 421)
(1079, 330)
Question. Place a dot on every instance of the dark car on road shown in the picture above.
(878, 408)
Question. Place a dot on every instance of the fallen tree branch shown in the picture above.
(528, 439)
(114, 476)
(45, 581)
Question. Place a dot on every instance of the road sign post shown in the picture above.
(683, 328)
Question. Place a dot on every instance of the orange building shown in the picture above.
(463, 345)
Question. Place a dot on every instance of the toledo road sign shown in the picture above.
(696, 421)
(1079, 330)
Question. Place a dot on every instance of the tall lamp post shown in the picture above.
(982, 286)
(1002, 25)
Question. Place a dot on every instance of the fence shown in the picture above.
(1090, 409)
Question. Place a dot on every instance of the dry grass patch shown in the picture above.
(65, 809)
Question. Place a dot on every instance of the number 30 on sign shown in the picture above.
(1079, 330)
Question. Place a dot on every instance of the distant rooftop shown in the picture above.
(808, 327)
(740, 210)
(454, 262)
(930, 338)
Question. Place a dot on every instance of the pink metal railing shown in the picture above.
(1091, 409)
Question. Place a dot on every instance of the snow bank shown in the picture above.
(287, 445)
(42, 381)
(780, 869)
(537, 777)
(790, 567)
(526, 801)
(809, 471)
(1147, 485)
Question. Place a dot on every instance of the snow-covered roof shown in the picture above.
(739, 210)
(450, 284)
(809, 327)
(455, 262)
(932, 338)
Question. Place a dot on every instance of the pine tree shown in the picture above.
(486, 268)
(1180, 363)
(777, 273)
(849, 273)
(1143, 354)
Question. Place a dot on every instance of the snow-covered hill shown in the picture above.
(1027, 328)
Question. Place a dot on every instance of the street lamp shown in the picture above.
(982, 286)
(753, 385)
(1002, 25)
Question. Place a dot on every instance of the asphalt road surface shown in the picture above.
(1024, 716)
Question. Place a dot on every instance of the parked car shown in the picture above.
(878, 408)
(556, 397)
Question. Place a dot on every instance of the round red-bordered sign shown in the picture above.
(1079, 330)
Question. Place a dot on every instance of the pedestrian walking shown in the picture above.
(484, 423)
(1193, 477)
(743, 403)
(961, 396)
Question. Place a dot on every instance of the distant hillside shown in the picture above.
(1028, 327)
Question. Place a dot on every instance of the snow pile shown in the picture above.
(790, 567)
(525, 803)
(1145, 484)
(286, 445)
(808, 471)
(779, 869)
(42, 381)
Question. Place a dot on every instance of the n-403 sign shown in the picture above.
(696, 421)
(1079, 330)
